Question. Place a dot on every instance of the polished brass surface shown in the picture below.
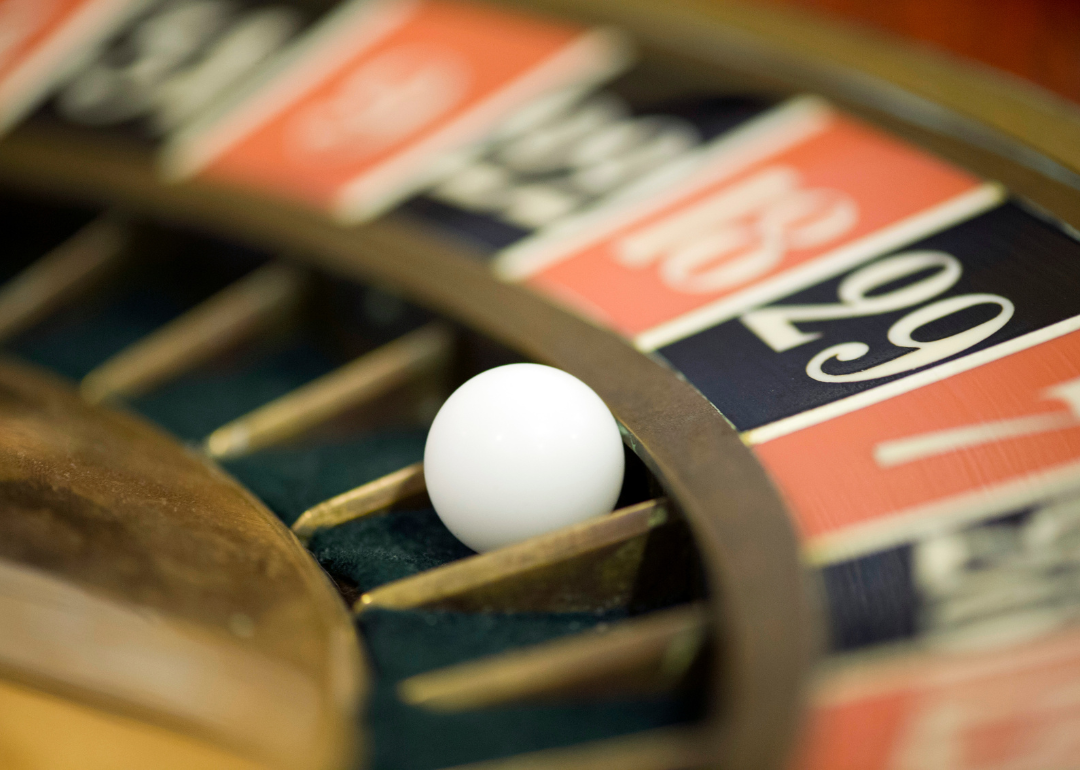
(41, 731)
(584, 567)
(416, 354)
(235, 314)
(369, 498)
(644, 655)
(117, 545)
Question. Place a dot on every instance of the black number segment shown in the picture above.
(993, 278)
(586, 152)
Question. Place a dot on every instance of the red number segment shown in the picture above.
(420, 78)
(39, 38)
(969, 445)
(1008, 709)
(25, 24)
(718, 233)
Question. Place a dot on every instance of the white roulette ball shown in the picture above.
(520, 450)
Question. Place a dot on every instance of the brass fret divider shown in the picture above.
(237, 313)
(584, 567)
(66, 272)
(373, 374)
(644, 655)
(369, 498)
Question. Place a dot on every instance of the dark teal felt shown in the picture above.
(370, 551)
(197, 404)
(377, 549)
(292, 480)
(374, 550)
(407, 738)
(78, 338)
(402, 643)
(75, 342)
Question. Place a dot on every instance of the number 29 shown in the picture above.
(776, 325)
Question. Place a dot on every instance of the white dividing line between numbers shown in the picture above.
(595, 56)
(953, 211)
(890, 454)
(950, 513)
(827, 412)
(786, 125)
(30, 82)
(297, 69)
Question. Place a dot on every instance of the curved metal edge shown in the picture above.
(993, 123)
(860, 60)
(761, 597)
(104, 616)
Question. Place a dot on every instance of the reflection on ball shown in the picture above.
(520, 450)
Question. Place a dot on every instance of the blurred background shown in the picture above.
(1038, 40)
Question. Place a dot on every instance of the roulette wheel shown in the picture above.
(824, 281)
